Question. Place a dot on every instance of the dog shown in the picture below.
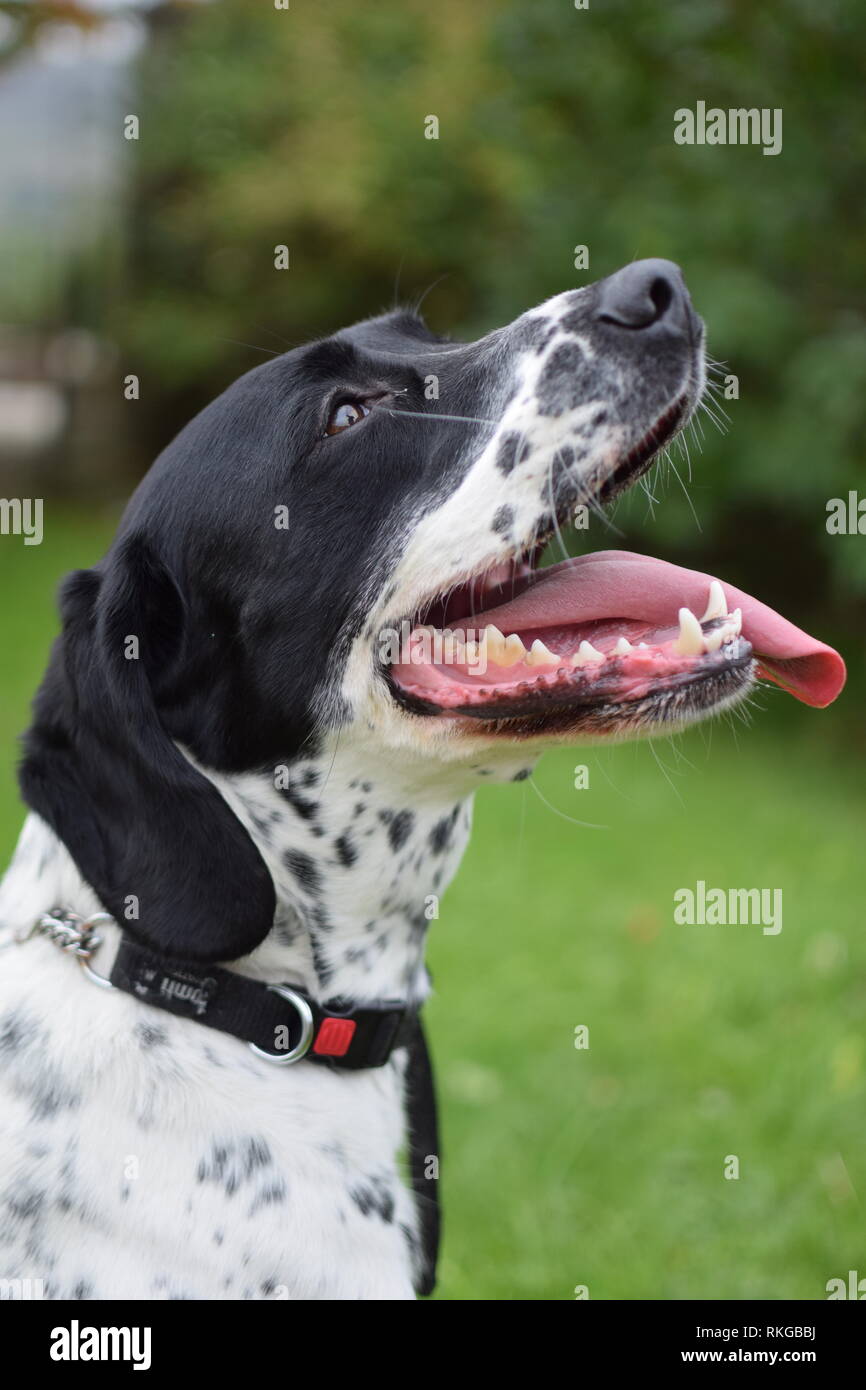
(252, 767)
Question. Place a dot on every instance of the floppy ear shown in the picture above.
(101, 769)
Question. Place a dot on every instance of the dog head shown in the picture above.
(288, 565)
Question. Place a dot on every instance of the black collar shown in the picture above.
(280, 1022)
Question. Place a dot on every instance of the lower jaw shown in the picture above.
(558, 712)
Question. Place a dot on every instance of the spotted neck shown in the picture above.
(360, 850)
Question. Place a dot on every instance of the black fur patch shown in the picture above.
(347, 851)
(400, 829)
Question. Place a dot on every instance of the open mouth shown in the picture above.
(610, 643)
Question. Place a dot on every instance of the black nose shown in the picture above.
(644, 293)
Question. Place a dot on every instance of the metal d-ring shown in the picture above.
(305, 1013)
(91, 941)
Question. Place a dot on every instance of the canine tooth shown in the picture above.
(623, 647)
(513, 650)
(717, 607)
(494, 644)
(586, 655)
(539, 655)
(737, 620)
(690, 641)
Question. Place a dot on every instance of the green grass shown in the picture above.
(605, 1166)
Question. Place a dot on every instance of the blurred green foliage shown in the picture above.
(306, 128)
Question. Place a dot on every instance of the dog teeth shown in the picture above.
(513, 650)
(690, 640)
(501, 650)
(717, 607)
(493, 643)
(586, 655)
(493, 646)
(540, 655)
(726, 633)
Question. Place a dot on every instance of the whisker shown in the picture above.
(271, 334)
(430, 289)
(255, 347)
(584, 824)
(397, 281)
(719, 420)
(435, 415)
(686, 494)
(665, 772)
(645, 488)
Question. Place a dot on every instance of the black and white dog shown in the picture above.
(321, 625)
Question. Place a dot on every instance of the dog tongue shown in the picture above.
(621, 584)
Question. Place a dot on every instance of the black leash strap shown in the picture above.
(280, 1019)
(424, 1154)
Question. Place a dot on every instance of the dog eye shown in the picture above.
(342, 416)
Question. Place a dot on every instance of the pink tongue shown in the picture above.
(620, 584)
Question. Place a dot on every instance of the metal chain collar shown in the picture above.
(77, 936)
